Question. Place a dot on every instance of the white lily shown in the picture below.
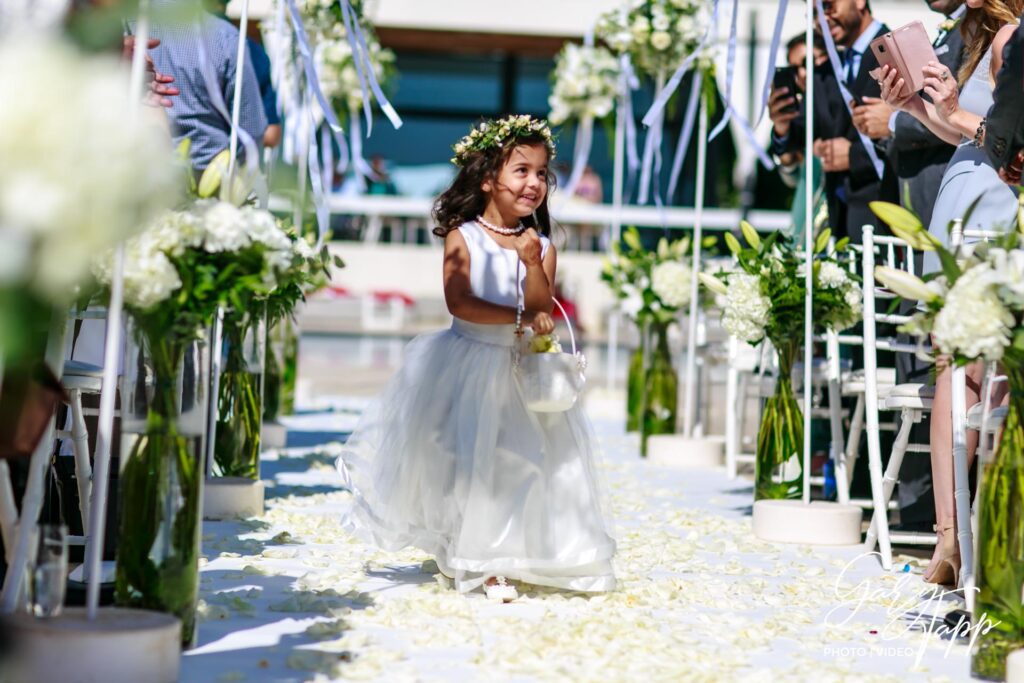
(903, 283)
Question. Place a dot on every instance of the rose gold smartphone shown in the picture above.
(908, 50)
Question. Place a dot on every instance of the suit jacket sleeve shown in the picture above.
(1004, 126)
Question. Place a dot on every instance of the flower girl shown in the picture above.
(449, 459)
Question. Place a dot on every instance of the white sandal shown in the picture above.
(501, 590)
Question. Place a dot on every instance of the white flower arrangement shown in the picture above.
(764, 297)
(974, 309)
(670, 281)
(657, 34)
(585, 83)
(79, 171)
(649, 284)
(210, 226)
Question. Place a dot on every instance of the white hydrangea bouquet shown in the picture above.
(764, 297)
(973, 309)
(657, 34)
(585, 84)
(652, 287)
(79, 173)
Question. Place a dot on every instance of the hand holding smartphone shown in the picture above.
(785, 77)
(907, 50)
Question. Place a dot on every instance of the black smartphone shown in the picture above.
(785, 77)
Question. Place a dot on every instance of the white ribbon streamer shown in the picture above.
(651, 143)
(364, 69)
(584, 142)
(833, 59)
(773, 53)
(682, 147)
(730, 68)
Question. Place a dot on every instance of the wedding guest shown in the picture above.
(851, 177)
(1004, 125)
(193, 114)
(916, 156)
(261, 66)
(955, 113)
(791, 164)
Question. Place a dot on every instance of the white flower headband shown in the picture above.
(496, 133)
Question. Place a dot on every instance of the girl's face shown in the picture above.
(522, 184)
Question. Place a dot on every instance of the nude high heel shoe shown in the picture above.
(947, 569)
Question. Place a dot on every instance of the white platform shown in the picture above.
(232, 498)
(120, 646)
(1015, 667)
(819, 523)
(674, 450)
(274, 435)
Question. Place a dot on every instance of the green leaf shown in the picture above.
(949, 266)
(338, 263)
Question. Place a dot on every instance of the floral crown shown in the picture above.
(497, 133)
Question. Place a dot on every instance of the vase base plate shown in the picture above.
(1015, 667)
(119, 646)
(675, 450)
(273, 435)
(232, 498)
(819, 523)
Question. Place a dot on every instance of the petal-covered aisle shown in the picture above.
(291, 597)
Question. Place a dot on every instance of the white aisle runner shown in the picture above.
(290, 597)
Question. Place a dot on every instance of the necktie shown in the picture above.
(851, 60)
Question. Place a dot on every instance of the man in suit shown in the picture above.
(852, 178)
(1004, 125)
(916, 157)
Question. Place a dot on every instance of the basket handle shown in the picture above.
(565, 316)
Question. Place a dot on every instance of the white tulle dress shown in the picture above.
(448, 458)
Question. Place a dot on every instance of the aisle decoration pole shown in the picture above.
(803, 521)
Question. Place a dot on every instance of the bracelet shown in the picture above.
(519, 321)
(979, 135)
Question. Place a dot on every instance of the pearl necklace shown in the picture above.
(499, 229)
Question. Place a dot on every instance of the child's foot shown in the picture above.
(498, 588)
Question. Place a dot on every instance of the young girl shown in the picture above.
(449, 459)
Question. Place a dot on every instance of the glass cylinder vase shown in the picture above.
(635, 385)
(1000, 563)
(163, 406)
(661, 386)
(240, 394)
(280, 370)
(779, 465)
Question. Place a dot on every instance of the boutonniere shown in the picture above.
(948, 25)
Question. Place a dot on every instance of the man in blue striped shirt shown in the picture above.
(180, 25)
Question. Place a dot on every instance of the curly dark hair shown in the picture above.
(463, 201)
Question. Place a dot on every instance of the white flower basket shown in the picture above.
(551, 382)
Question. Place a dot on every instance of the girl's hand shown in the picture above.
(541, 323)
(528, 247)
(893, 88)
(941, 86)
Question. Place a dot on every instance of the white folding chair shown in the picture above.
(912, 400)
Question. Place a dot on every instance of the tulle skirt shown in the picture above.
(448, 459)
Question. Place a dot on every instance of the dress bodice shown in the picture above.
(492, 268)
(977, 94)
